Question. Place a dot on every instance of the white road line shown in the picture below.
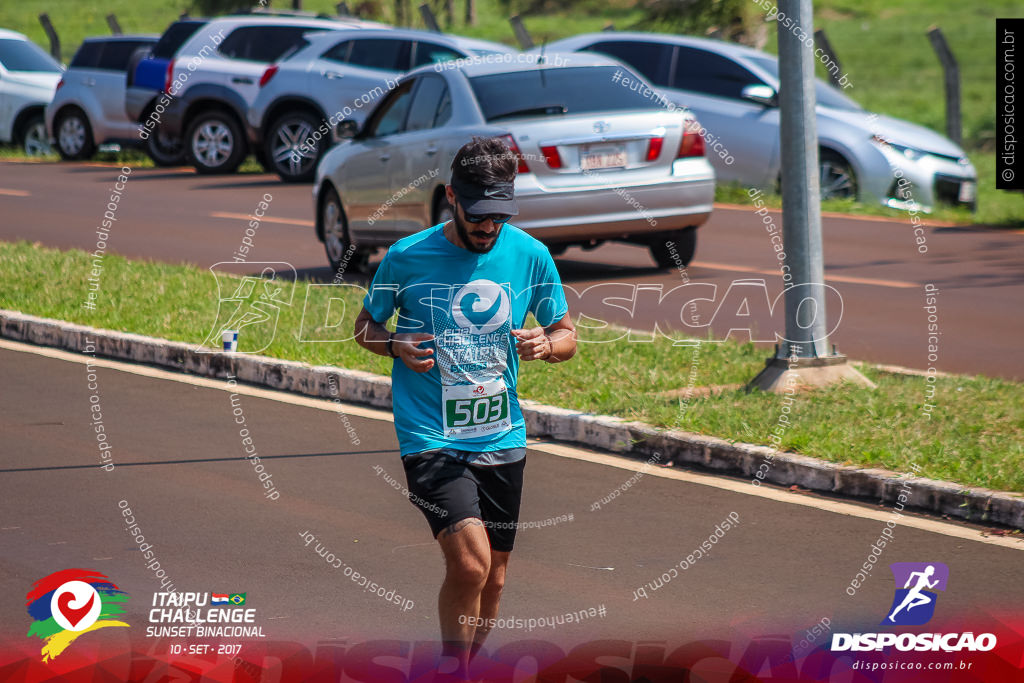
(14, 193)
(573, 452)
(265, 219)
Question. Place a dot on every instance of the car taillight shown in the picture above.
(510, 141)
(654, 148)
(692, 144)
(551, 155)
(168, 79)
(60, 84)
(268, 74)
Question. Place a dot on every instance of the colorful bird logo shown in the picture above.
(68, 603)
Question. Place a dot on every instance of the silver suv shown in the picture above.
(214, 77)
(340, 75)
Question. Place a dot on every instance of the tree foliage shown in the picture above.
(741, 21)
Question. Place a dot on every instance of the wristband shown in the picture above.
(391, 351)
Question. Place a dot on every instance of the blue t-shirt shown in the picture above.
(471, 303)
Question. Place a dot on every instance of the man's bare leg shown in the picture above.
(490, 597)
(467, 555)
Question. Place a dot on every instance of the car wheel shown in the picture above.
(290, 148)
(443, 210)
(214, 143)
(837, 178)
(674, 249)
(340, 253)
(34, 139)
(165, 150)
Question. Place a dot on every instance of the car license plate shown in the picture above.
(604, 156)
(967, 191)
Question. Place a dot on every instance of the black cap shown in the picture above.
(486, 199)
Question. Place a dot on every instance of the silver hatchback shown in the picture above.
(597, 161)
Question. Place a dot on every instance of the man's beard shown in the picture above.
(463, 232)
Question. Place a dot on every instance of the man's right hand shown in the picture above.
(406, 345)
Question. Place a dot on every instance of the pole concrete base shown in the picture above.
(780, 373)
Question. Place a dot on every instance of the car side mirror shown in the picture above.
(347, 129)
(762, 94)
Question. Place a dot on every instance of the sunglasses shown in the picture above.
(496, 218)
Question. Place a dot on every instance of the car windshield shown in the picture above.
(549, 92)
(22, 55)
(826, 95)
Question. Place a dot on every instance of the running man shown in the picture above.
(914, 596)
(462, 290)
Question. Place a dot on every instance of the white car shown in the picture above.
(28, 79)
(328, 77)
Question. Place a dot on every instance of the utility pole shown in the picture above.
(803, 356)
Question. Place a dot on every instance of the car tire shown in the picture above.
(442, 212)
(337, 244)
(33, 139)
(283, 142)
(836, 177)
(165, 150)
(214, 142)
(674, 249)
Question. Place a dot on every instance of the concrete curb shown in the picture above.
(630, 439)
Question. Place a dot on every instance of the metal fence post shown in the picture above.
(429, 19)
(51, 33)
(822, 42)
(522, 35)
(951, 71)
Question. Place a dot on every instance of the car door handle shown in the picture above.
(241, 80)
(384, 157)
(333, 75)
(89, 82)
(431, 151)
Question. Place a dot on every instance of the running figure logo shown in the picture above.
(914, 603)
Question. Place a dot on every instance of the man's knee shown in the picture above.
(495, 583)
(469, 571)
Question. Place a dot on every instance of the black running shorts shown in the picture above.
(447, 489)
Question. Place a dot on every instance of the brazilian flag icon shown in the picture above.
(237, 598)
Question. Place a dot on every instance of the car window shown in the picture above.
(432, 53)
(389, 54)
(262, 43)
(444, 109)
(425, 102)
(22, 55)
(711, 74)
(338, 53)
(826, 95)
(557, 91)
(174, 37)
(117, 53)
(88, 55)
(652, 60)
(389, 118)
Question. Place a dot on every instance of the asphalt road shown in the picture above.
(874, 265)
(179, 467)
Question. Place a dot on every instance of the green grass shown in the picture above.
(973, 437)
